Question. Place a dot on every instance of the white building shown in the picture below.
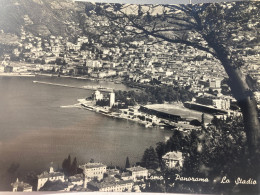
(71, 46)
(257, 96)
(49, 176)
(221, 103)
(138, 172)
(112, 99)
(93, 170)
(20, 186)
(97, 95)
(215, 83)
(111, 186)
(173, 159)
(93, 64)
(77, 179)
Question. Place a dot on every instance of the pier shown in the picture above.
(93, 88)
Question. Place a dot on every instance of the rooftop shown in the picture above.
(75, 178)
(136, 169)
(46, 174)
(92, 165)
(21, 184)
(125, 174)
(109, 183)
(55, 186)
(112, 171)
(173, 155)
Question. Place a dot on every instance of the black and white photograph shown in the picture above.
(159, 96)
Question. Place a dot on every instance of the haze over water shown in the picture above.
(35, 130)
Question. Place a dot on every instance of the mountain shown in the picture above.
(41, 17)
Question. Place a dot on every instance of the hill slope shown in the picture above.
(42, 17)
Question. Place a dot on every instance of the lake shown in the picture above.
(35, 130)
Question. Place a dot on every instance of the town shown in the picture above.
(158, 65)
(171, 86)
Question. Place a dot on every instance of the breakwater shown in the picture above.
(94, 88)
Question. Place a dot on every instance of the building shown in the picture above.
(8, 69)
(77, 179)
(173, 160)
(257, 96)
(124, 176)
(215, 83)
(97, 95)
(62, 186)
(93, 170)
(112, 172)
(219, 103)
(20, 186)
(111, 186)
(49, 176)
(93, 64)
(138, 173)
(112, 99)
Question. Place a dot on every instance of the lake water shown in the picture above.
(35, 130)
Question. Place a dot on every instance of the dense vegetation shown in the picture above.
(104, 102)
(213, 152)
(153, 94)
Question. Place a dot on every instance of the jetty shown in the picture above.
(93, 88)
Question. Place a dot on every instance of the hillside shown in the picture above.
(41, 17)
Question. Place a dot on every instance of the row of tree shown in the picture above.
(69, 168)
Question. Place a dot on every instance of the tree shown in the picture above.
(11, 174)
(205, 27)
(176, 142)
(66, 166)
(213, 152)
(150, 159)
(32, 179)
(127, 163)
(219, 151)
(160, 149)
(74, 167)
(203, 120)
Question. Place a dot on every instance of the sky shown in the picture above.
(155, 1)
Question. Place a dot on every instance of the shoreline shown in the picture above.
(86, 105)
(155, 123)
(16, 75)
(30, 74)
